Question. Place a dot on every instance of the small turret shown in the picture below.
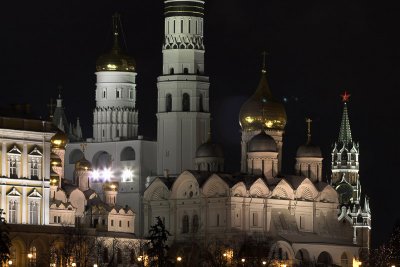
(110, 190)
(309, 158)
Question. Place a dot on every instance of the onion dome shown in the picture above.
(309, 150)
(262, 142)
(116, 59)
(209, 149)
(83, 164)
(59, 140)
(55, 160)
(261, 110)
(54, 177)
(110, 186)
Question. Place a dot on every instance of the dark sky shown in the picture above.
(317, 49)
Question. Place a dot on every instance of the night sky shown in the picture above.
(317, 49)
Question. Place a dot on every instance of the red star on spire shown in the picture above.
(345, 96)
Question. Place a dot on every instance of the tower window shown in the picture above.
(104, 132)
(197, 27)
(118, 93)
(168, 103)
(185, 71)
(185, 102)
(131, 94)
(174, 26)
(171, 71)
(189, 27)
(168, 27)
(182, 26)
(201, 109)
(104, 93)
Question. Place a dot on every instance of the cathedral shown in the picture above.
(116, 183)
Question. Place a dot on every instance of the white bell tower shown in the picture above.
(183, 118)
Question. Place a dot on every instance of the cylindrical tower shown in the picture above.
(183, 89)
(115, 116)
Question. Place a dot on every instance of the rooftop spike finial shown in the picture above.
(308, 121)
(116, 19)
(345, 97)
(264, 68)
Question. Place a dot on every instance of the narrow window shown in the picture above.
(129, 225)
(120, 223)
(117, 133)
(189, 26)
(104, 93)
(118, 93)
(104, 132)
(168, 103)
(12, 211)
(33, 213)
(217, 219)
(168, 27)
(185, 102)
(201, 109)
(55, 219)
(171, 71)
(185, 71)
(182, 26)
(197, 27)
(185, 224)
(59, 219)
(131, 94)
(195, 224)
(174, 26)
(255, 219)
(112, 222)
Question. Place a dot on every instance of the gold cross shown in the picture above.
(51, 106)
(308, 121)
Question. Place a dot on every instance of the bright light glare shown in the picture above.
(127, 175)
(95, 175)
(107, 174)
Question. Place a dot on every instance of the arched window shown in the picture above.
(344, 260)
(195, 224)
(171, 71)
(101, 160)
(128, 153)
(185, 224)
(32, 256)
(185, 71)
(324, 259)
(12, 211)
(185, 102)
(75, 155)
(105, 255)
(168, 103)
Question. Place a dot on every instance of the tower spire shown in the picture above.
(345, 131)
(264, 67)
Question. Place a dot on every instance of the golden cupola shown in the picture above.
(261, 110)
(59, 140)
(116, 59)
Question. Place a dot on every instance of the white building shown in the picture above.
(116, 151)
(303, 218)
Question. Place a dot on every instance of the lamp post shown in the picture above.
(243, 261)
(178, 260)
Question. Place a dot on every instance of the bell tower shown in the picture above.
(183, 118)
(345, 161)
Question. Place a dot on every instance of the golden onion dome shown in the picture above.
(55, 160)
(261, 110)
(83, 164)
(116, 59)
(59, 140)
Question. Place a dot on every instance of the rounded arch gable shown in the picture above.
(239, 190)
(306, 192)
(185, 186)
(259, 189)
(215, 187)
(329, 195)
(101, 160)
(74, 156)
(128, 153)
